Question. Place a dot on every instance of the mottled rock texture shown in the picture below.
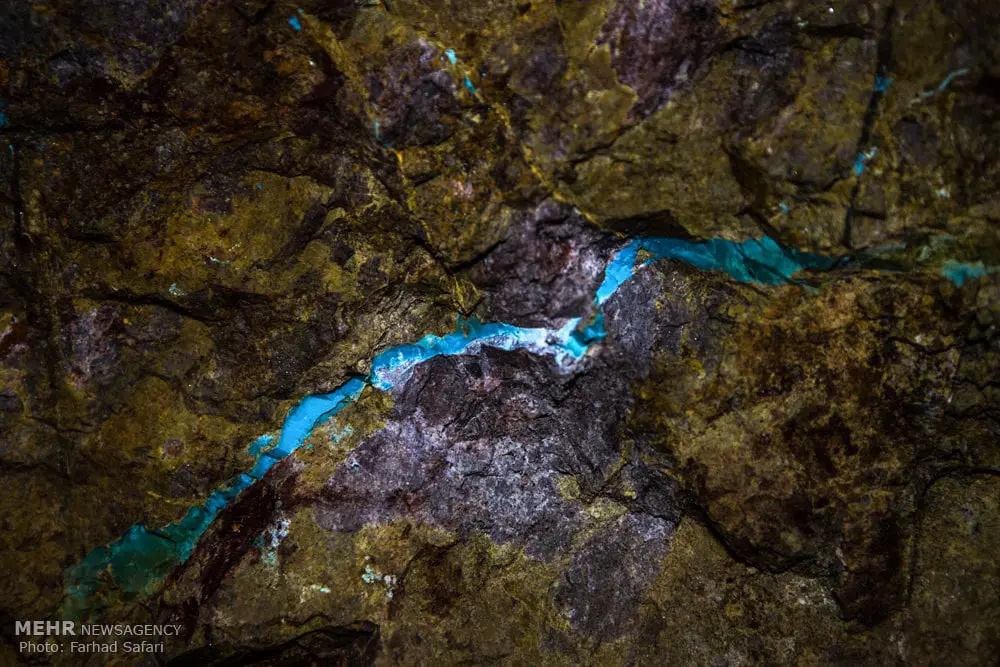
(209, 210)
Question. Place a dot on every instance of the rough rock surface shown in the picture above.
(210, 210)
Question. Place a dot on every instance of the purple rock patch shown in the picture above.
(656, 45)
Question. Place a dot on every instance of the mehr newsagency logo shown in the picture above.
(74, 637)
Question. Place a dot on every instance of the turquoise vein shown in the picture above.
(142, 557)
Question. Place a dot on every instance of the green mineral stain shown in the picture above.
(960, 273)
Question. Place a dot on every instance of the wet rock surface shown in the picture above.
(209, 211)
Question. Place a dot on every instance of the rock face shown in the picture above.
(693, 448)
